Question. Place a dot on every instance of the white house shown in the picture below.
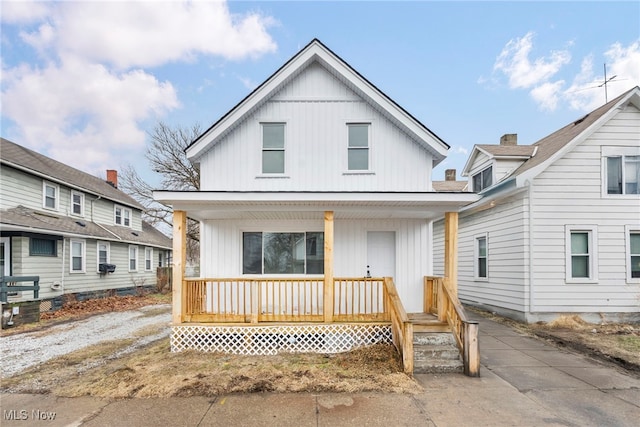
(316, 162)
(557, 228)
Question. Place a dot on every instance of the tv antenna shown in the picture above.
(606, 97)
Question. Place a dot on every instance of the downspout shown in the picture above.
(63, 261)
(532, 308)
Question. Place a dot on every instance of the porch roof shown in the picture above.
(204, 205)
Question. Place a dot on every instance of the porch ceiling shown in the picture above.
(207, 205)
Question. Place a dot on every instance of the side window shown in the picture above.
(50, 195)
(581, 254)
(148, 259)
(623, 174)
(483, 179)
(77, 203)
(122, 216)
(133, 258)
(104, 254)
(77, 256)
(358, 147)
(633, 255)
(272, 147)
(481, 270)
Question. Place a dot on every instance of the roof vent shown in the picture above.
(577, 122)
(81, 224)
(134, 233)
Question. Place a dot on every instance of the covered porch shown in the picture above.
(326, 313)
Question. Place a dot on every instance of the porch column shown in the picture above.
(451, 250)
(179, 261)
(328, 266)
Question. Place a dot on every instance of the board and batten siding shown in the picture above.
(221, 249)
(316, 107)
(505, 227)
(570, 192)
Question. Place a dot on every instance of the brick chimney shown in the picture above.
(450, 175)
(112, 177)
(509, 139)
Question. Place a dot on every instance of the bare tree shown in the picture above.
(166, 156)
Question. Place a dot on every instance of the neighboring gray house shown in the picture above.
(557, 229)
(62, 224)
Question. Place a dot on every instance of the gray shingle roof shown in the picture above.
(44, 222)
(13, 154)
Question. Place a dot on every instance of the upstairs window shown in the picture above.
(50, 195)
(283, 253)
(358, 151)
(623, 174)
(122, 216)
(77, 203)
(483, 179)
(272, 147)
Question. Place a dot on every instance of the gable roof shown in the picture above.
(315, 51)
(450, 186)
(19, 157)
(540, 154)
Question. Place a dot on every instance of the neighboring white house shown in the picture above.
(557, 229)
(317, 137)
(68, 227)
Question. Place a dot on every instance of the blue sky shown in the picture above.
(83, 82)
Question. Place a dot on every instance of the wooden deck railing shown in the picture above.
(438, 299)
(236, 300)
(401, 327)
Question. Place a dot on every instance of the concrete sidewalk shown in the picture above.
(524, 382)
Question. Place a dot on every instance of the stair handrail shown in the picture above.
(401, 327)
(440, 299)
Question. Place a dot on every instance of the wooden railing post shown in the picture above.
(407, 348)
(328, 267)
(442, 301)
(471, 349)
(256, 300)
(179, 294)
(451, 250)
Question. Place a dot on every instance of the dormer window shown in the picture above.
(122, 216)
(483, 179)
(272, 148)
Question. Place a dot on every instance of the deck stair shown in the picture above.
(434, 346)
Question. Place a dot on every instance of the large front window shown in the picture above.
(623, 174)
(283, 253)
(273, 148)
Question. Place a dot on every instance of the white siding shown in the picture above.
(19, 188)
(316, 108)
(221, 249)
(504, 168)
(569, 192)
(505, 226)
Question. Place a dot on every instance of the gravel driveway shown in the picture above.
(24, 350)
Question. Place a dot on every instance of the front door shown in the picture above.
(381, 253)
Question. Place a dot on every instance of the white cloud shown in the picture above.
(539, 76)
(86, 98)
(144, 34)
(523, 73)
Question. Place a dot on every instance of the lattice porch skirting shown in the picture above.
(269, 340)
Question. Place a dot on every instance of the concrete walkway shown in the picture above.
(524, 382)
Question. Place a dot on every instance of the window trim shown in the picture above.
(122, 216)
(83, 244)
(283, 149)
(592, 232)
(369, 168)
(135, 258)
(616, 151)
(56, 187)
(78, 193)
(628, 230)
(108, 244)
(476, 257)
(149, 259)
